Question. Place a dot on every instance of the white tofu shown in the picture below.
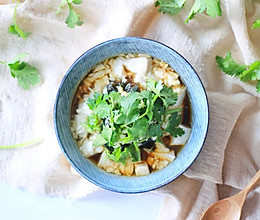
(107, 164)
(139, 65)
(170, 156)
(181, 95)
(184, 138)
(141, 169)
(117, 67)
(89, 150)
(101, 83)
(128, 168)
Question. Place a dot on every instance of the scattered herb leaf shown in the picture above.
(26, 75)
(172, 7)
(73, 18)
(246, 73)
(256, 24)
(14, 28)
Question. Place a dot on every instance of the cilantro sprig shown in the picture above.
(123, 123)
(73, 18)
(256, 24)
(246, 73)
(26, 75)
(14, 28)
(173, 7)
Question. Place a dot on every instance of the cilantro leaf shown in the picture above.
(139, 128)
(173, 124)
(93, 102)
(134, 151)
(154, 86)
(118, 155)
(258, 86)
(107, 134)
(130, 104)
(229, 66)
(99, 140)
(256, 24)
(14, 28)
(158, 110)
(73, 18)
(92, 123)
(246, 73)
(154, 130)
(171, 7)
(103, 109)
(26, 75)
(212, 8)
(169, 96)
(252, 73)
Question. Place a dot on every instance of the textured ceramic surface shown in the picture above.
(79, 70)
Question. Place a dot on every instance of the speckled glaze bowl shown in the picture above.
(79, 70)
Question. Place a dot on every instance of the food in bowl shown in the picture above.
(131, 115)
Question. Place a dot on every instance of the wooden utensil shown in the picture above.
(230, 208)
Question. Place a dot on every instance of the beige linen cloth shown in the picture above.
(231, 154)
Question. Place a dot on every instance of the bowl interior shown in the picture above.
(62, 115)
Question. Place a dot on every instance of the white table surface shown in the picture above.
(20, 204)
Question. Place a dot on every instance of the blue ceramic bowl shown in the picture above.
(62, 115)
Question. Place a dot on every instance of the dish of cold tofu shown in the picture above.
(131, 115)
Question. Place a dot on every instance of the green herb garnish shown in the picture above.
(256, 24)
(246, 73)
(27, 144)
(26, 75)
(14, 29)
(172, 7)
(73, 18)
(124, 122)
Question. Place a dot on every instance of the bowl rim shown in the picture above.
(102, 185)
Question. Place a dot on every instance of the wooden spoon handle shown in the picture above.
(253, 182)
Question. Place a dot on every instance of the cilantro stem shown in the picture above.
(147, 109)
(26, 144)
(173, 110)
(60, 6)
(16, 26)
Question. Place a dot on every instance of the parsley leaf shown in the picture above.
(246, 73)
(73, 18)
(172, 7)
(256, 24)
(14, 28)
(26, 75)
